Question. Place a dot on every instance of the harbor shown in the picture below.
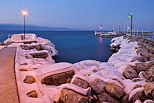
(38, 74)
(77, 51)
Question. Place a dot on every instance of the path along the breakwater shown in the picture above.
(8, 87)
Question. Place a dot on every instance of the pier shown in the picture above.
(144, 32)
(110, 34)
(122, 33)
(8, 91)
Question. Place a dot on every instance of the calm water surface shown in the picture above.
(74, 46)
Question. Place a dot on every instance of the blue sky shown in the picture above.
(80, 14)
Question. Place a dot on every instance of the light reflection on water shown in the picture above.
(100, 39)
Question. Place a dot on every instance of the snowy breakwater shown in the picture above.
(127, 77)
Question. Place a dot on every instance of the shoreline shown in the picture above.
(118, 75)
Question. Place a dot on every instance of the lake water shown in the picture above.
(73, 46)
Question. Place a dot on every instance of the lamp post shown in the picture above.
(131, 23)
(24, 13)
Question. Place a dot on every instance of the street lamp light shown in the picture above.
(24, 13)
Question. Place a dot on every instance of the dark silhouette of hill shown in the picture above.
(29, 27)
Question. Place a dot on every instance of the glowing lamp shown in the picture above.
(24, 12)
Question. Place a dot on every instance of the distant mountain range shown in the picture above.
(10, 27)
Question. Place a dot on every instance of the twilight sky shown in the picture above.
(79, 14)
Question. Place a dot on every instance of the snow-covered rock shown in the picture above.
(137, 94)
(114, 90)
(122, 78)
(98, 86)
(106, 98)
(80, 82)
(68, 96)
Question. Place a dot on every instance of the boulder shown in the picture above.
(148, 101)
(138, 86)
(70, 96)
(29, 42)
(148, 88)
(125, 98)
(130, 72)
(114, 90)
(141, 67)
(152, 93)
(140, 42)
(151, 78)
(115, 48)
(28, 47)
(32, 94)
(1, 44)
(29, 79)
(24, 68)
(150, 63)
(39, 54)
(28, 56)
(38, 47)
(138, 58)
(98, 86)
(142, 74)
(138, 50)
(138, 101)
(81, 83)
(151, 50)
(144, 52)
(137, 94)
(24, 64)
(138, 79)
(150, 71)
(93, 98)
(152, 58)
(141, 45)
(148, 57)
(104, 97)
(25, 47)
(58, 79)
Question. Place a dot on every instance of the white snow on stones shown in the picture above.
(2, 47)
(125, 77)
